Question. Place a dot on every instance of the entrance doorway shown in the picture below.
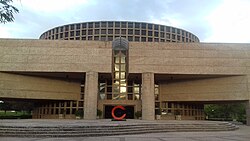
(118, 112)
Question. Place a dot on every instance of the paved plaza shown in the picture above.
(243, 134)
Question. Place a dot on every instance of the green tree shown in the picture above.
(7, 11)
(226, 111)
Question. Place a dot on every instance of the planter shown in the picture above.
(178, 117)
(158, 117)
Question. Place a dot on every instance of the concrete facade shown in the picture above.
(148, 103)
(248, 112)
(176, 78)
(90, 97)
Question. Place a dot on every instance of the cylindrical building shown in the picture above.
(109, 30)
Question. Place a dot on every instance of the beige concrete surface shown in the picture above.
(23, 86)
(227, 59)
(248, 112)
(90, 95)
(78, 56)
(231, 88)
(148, 104)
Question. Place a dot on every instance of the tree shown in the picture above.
(226, 111)
(7, 11)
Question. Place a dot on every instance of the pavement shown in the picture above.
(243, 134)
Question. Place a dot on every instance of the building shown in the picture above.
(145, 67)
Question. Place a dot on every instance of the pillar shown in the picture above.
(248, 113)
(148, 101)
(90, 95)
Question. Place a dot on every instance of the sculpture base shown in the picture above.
(118, 119)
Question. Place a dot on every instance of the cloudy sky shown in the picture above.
(211, 20)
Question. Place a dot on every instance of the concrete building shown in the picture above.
(145, 67)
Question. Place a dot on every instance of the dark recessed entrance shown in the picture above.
(118, 112)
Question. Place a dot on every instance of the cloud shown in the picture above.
(206, 19)
(230, 22)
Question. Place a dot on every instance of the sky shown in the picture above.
(221, 21)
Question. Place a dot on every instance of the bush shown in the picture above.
(99, 113)
(79, 113)
(15, 117)
(138, 114)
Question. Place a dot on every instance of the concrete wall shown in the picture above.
(159, 58)
(54, 56)
(189, 58)
(210, 89)
(83, 56)
(20, 86)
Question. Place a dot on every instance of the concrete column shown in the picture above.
(90, 95)
(148, 101)
(248, 112)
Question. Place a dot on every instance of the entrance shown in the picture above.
(118, 112)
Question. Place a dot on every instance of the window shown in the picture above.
(150, 26)
(178, 38)
(110, 24)
(103, 38)
(156, 27)
(143, 25)
(178, 31)
(173, 37)
(137, 32)
(110, 31)
(143, 32)
(72, 27)
(150, 33)
(90, 37)
(119, 79)
(97, 25)
(110, 38)
(71, 33)
(162, 28)
(104, 24)
(117, 24)
(90, 32)
(78, 26)
(61, 29)
(137, 25)
(123, 31)
(156, 34)
(90, 25)
(83, 32)
(103, 31)
(96, 38)
(130, 31)
(78, 33)
(173, 30)
(137, 39)
(124, 24)
(97, 31)
(66, 28)
(84, 25)
(130, 25)
(117, 31)
(130, 38)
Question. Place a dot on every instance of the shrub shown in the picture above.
(79, 113)
(99, 113)
(138, 114)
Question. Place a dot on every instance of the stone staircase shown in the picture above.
(111, 129)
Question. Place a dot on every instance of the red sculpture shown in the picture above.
(113, 113)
